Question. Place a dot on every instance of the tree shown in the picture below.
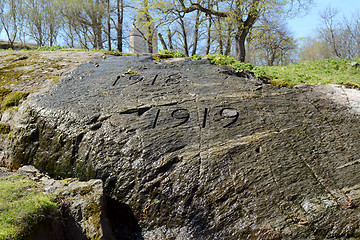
(185, 31)
(313, 49)
(10, 17)
(43, 21)
(341, 34)
(243, 14)
(272, 42)
(86, 19)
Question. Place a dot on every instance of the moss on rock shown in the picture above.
(13, 99)
(4, 128)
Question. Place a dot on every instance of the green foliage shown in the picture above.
(22, 206)
(196, 57)
(327, 71)
(237, 66)
(47, 48)
(241, 66)
(13, 99)
(169, 54)
(219, 59)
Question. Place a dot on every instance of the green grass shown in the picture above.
(22, 206)
(326, 71)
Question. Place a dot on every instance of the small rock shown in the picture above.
(29, 171)
(229, 113)
(355, 64)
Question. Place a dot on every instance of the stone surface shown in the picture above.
(84, 212)
(197, 152)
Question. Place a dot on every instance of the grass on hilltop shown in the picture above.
(327, 71)
(22, 206)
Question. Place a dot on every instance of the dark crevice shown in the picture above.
(76, 145)
(123, 222)
(167, 166)
(93, 119)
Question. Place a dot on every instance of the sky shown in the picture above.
(305, 25)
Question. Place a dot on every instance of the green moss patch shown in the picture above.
(4, 128)
(13, 99)
(22, 206)
(4, 92)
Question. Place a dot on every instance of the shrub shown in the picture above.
(47, 48)
(219, 59)
(169, 54)
(196, 57)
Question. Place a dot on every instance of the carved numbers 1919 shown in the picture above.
(228, 117)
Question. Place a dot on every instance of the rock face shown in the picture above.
(84, 214)
(197, 152)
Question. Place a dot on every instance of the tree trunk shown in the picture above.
(162, 41)
(208, 42)
(108, 25)
(228, 41)
(243, 28)
(170, 40)
(220, 36)
(196, 32)
(240, 38)
(119, 29)
(150, 43)
(184, 35)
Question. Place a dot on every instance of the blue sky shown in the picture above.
(305, 25)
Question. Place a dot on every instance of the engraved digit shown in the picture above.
(116, 80)
(229, 113)
(205, 116)
(156, 119)
(136, 77)
(173, 79)
(153, 82)
(182, 114)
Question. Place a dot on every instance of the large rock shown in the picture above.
(197, 152)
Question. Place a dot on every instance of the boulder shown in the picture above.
(194, 151)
